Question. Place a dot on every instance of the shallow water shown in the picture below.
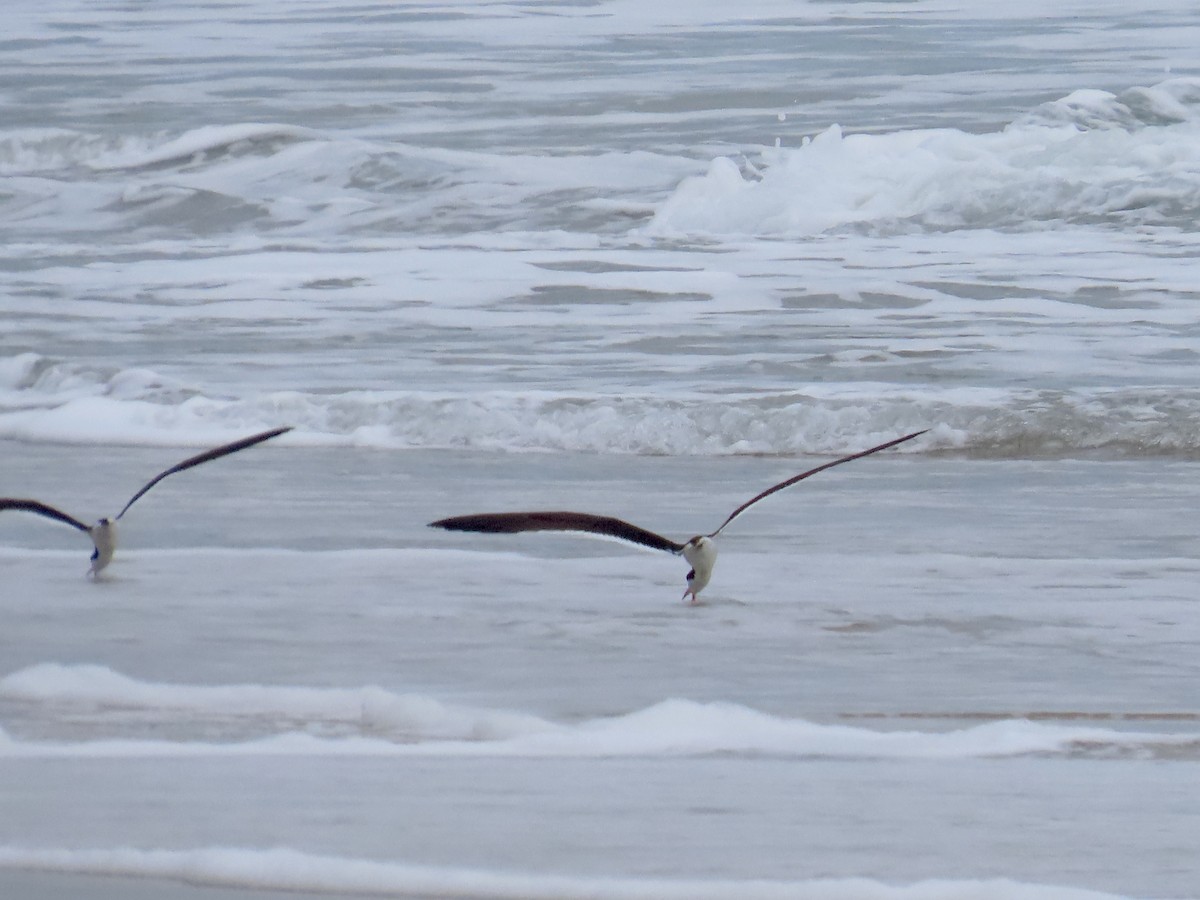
(640, 259)
(547, 706)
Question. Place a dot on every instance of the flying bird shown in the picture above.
(700, 551)
(104, 532)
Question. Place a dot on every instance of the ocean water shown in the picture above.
(630, 258)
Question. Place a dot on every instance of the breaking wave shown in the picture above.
(263, 720)
(44, 400)
(1093, 156)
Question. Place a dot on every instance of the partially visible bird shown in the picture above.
(104, 532)
(700, 551)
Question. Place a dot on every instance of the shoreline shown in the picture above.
(42, 884)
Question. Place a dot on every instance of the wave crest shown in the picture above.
(252, 719)
(1092, 156)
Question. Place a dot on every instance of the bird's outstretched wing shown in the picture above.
(36, 506)
(512, 523)
(215, 453)
(821, 468)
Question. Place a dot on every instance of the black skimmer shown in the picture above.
(700, 551)
(104, 532)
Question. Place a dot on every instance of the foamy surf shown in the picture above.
(58, 401)
(1090, 156)
(261, 720)
(292, 870)
(367, 710)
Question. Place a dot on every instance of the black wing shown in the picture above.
(215, 453)
(512, 523)
(821, 468)
(36, 506)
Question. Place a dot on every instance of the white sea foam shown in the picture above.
(1091, 156)
(372, 722)
(291, 870)
(1073, 337)
(44, 400)
(368, 710)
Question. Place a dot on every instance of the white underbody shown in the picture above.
(701, 552)
(104, 536)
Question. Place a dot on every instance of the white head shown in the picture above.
(104, 536)
(701, 552)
